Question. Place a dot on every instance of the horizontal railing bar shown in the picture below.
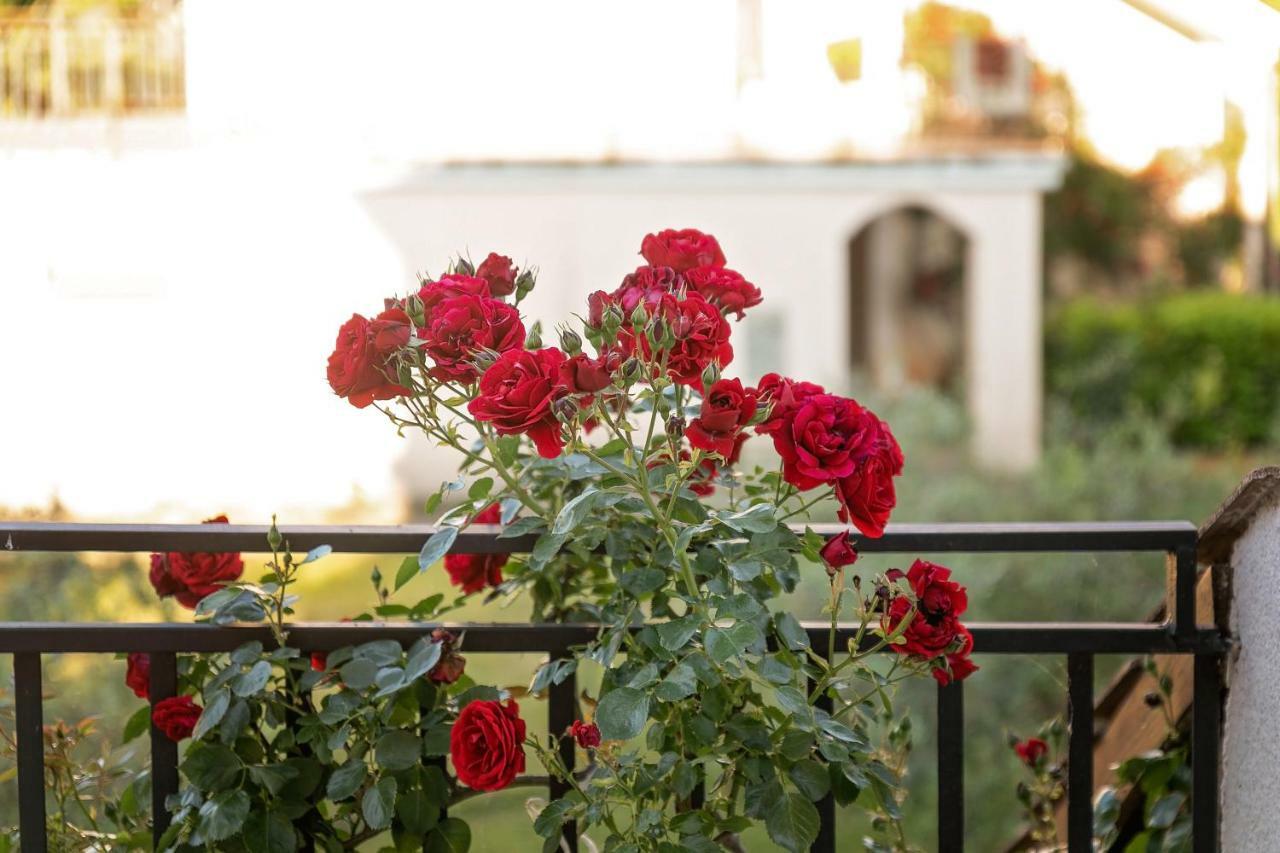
(989, 637)
(1039, 537)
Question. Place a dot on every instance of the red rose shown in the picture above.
(935, 627)
(190, 577)
(725, 288)
(587, 735)
(487, 745)
(682, 250)
(516, 394)
(582, 374)
(958, 665)
(838, 551)
(432, 293)
(391, 330)
(451, 665)
(646, 286)
(460, 326)
(727, 408)
(319, 661)
(472, 572)
(701, 333)
(597, 302)
(176, 716)
(137, 674)
(1031, 751)
(823, 440)
(357, 370)
(867, 496)
(499, 273)
(785, 396)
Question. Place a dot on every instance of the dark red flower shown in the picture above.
(682, 249)
(357, 370)
(137, 674)
(935, 628)
(958, 664)
(823, 440)
(432, 293)
(586, 735)
(727, 408)
(319, 661)
(516, 394)
(1031, 751)
(582, 374)
(868, 496)
(701, 338)
(473, 572)
(499, 273)
(784, 396)
(487, 745)
(391, 330)
(451, 664)
(176, 716)
(191, 576)
(461, 326)
(839, 552)
(646, 286)
(724, 288)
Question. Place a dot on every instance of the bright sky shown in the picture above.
(164, 315)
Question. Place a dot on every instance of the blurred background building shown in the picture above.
(204, 190)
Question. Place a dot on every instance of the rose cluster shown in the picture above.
(190, 576)
(931, 613)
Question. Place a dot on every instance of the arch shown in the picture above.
(907, 278)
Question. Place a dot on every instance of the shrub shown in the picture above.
(1205, 363)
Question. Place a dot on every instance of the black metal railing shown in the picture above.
(1079, 642)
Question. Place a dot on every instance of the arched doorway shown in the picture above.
(907, 300)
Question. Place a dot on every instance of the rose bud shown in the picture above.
(838, 552)
(586, 735)
(570, 341)
(499, 272)
(710, 375)
(462, 266)
(631, 368)
(533, 340)
(639, 317)
(675, 427)
(566, 410)
(524, 284)
(484, 359)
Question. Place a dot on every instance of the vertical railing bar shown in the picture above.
(826, 840)
(951, 767)
(1080, 753)
(1184, 591)
(164, 752)
(562, 710)
(1206, 730)
(29, 719)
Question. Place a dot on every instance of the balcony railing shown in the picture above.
(1079, 642)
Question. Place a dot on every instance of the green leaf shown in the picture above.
(359, 673)
(792, 822)
(139, 722)
(811, 777)
(745, 570)
(451, 836)
(548, 822)
(547, 546)
(378, 803)
(273, 777)
(424, 655)
(408, 571)
(720, 645)
(398, 750)
(224, 815)
(674, 635)
(269, 832)
(316, 553)
(346, 780)
(622, 713)
(234, 722)
(1165, 810)
(643, 580)
(211, 766)
(573, 513)
(790, 631)
(480, 488)
(252, 682)
(756, 519)
(436, 547)
(417, 812)
(776, 671)
(678, 684)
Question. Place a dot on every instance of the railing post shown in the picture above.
(29, 719)
(951, 767)
(562, 710)
(164, 752)
(826, 840)
(1080, 753)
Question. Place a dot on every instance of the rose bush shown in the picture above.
(618, 451)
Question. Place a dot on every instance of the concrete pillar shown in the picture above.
(1242, 542)
(887, 269)
(1003, 333)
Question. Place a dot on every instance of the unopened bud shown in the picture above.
(630, 368)
(524, 284)
(639, 316)
(533, 340)
(565, 409)
(710, 375)
(484, 359)
(611, 321)
(675, 427)
(463, 267)
(375, 576)
(273, 535)
(414, 308)
(570, 341)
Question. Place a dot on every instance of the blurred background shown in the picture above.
(1040, 238)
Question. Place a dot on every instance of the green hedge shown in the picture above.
(1208, 363)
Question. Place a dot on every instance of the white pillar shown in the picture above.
(1003, 333)
(1245, 535)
